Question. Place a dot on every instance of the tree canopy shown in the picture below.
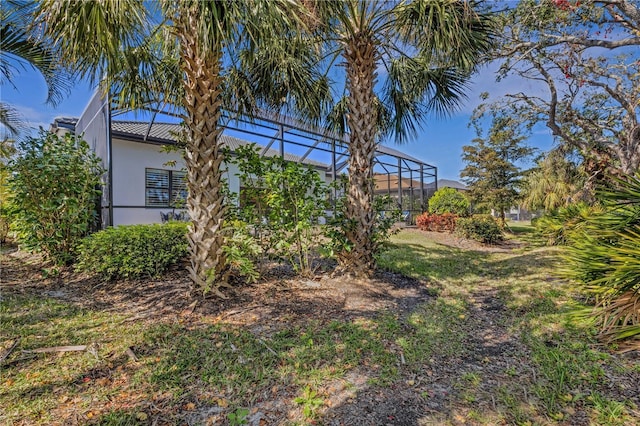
(182, 54)
(21, 50)
(584, 57)
(402, 61)
(492, 171)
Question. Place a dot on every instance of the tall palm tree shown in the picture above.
(19, 50)
(425, 51)
(118, 43)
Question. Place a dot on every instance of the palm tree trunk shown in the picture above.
(360, 55)
(203, 158)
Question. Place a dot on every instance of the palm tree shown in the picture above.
(426, 50)
(120, 41)
(20, 50)
(555, 182)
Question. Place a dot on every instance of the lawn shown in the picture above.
(447, 332)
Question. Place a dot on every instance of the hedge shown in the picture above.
(133, 251)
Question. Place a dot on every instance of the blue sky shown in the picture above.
(439, 143)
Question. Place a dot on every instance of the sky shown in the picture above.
(439, 143)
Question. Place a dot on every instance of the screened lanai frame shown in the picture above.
(408, 181)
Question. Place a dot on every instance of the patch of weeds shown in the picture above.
(474, 416)
(525, 233)
(123, 418)
(320, 353)
(566, 368)
(237, 364)
(34, 384)
(511, 371)
(310, 402)
(608, 412)
(467, 386)
(238, 417)
(472, 379)
(517, 411)
(229, 360)
(415, 256)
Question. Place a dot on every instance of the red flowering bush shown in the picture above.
(445, 222)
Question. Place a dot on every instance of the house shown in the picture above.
(448, 183)
(144, 182)
(405, 189)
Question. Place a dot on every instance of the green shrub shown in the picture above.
(242, 250)
(604, 254)
(449, 200)
(133, 251)
(54, 192)
(4, 225)
(557, 225)
(5, 219)
(282, 201)
(482, 228)
(338, 228)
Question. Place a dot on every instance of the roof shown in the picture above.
(66, 122)
(395, 153)
(447, 183)
(157, 132)
(165, 133)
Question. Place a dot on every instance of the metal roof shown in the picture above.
(158, 132)
(165, 133)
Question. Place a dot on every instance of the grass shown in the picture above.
(569, 368)
(217, 364)
(185, 368)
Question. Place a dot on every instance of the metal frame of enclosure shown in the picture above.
(408, 181)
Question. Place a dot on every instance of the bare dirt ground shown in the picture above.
(281, 300)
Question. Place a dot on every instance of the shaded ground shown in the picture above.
(474, 364)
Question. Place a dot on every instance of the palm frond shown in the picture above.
(627, 191)
(619, 318)
(11, 120)
(283, 76)
(413, 89)
(151, 76)
(336, 120)
(20, 49)
(451, 32)
(91, 35)
(605, 256)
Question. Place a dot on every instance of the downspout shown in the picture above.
(110, 161)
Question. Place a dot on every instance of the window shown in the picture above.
(164, 188)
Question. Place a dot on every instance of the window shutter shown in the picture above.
(157, 187)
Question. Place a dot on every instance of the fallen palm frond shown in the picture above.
(619, 318)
